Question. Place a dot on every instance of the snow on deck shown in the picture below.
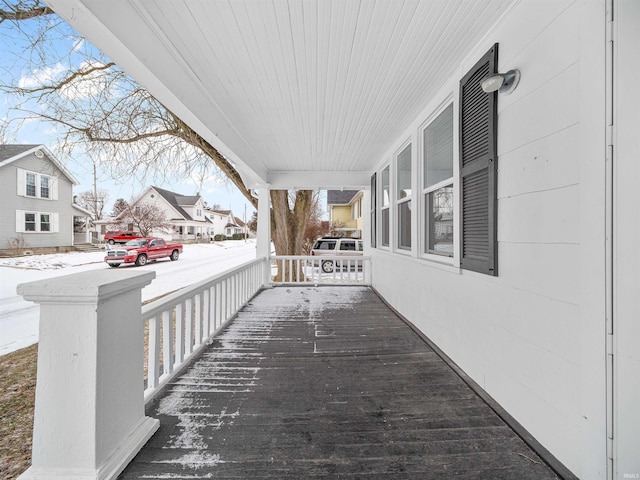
(326, 383)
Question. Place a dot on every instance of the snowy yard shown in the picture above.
(19, 318)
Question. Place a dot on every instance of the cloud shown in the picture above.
(41, 76)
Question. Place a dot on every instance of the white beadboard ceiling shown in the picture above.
(295, 92)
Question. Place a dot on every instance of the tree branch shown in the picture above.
(18, 14)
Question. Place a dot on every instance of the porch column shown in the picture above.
(263, 240)
(89, 416)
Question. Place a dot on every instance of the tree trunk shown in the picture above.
(288, 226)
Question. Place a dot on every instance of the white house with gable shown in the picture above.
(186, 214)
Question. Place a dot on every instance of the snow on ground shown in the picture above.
(19, 318)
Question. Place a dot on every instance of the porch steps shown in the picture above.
(326, 383)
(88, 247)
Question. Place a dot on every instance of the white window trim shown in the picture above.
(396, 202)
(21, 184)
(382, 207)
(54, 222)
(454, 180)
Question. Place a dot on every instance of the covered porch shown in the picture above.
(326, 382)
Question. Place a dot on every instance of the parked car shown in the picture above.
(120, 236)
(336, 246)
(142, 250)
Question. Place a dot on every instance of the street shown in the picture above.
(19, 318)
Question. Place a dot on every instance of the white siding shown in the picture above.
(13, 202)
(533, 337)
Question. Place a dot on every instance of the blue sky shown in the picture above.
(13, 64)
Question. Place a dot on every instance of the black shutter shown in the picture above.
(373, 210)
(478, 169)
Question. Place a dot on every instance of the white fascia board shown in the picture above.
(319, 180)
(79, 14)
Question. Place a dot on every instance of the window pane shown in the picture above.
(384, 239)
(438, 148)
(31, 185)
(30, 222)
(404, 224)
(45, 223)
(385, 187)
(44, 187)
(439, 214)
(404, 173)
(346, 245)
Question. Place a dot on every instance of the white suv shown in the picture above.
(336, 246)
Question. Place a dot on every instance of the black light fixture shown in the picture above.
(502, 82)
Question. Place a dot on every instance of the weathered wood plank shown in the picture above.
(326, 383)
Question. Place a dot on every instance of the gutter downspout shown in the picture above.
(609, 230)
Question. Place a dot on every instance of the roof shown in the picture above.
(340, 197)
(10, 153)
(311, 94)
(176, 200)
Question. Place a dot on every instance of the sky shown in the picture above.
(14, 65)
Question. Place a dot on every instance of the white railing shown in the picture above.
(324, 269)
(179, 325)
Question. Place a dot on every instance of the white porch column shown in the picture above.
(89, 416)
(263, 240)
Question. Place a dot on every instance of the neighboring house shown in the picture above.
(186, 214)
(345, 212)
(37, 199)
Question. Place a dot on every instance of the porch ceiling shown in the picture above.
(292, 91)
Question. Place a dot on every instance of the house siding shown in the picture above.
(533, 337)
(11, 202)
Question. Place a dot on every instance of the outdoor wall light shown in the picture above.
(502, 82)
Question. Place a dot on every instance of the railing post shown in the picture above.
(263, 245)
(89, 417)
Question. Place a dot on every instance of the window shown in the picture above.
(29, 222)
(44, 186)
(31, 184)
(384, 209)
(45, 222)
(348, 245)
(438, 184)
(403, 197)
(478, 168)
(36, 185)
(36, 222)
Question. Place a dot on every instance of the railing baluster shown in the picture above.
(179, 357)
(188, 326)
(167, 342)
(205, 314)
(153, 362)
(198, 319)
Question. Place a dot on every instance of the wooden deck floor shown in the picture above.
(326, 383)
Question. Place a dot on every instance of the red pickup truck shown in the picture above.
(141, 251)
(120, 236)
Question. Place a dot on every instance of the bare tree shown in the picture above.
(118, 207)
(94, 202)
(146, 218)
(97, 107)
